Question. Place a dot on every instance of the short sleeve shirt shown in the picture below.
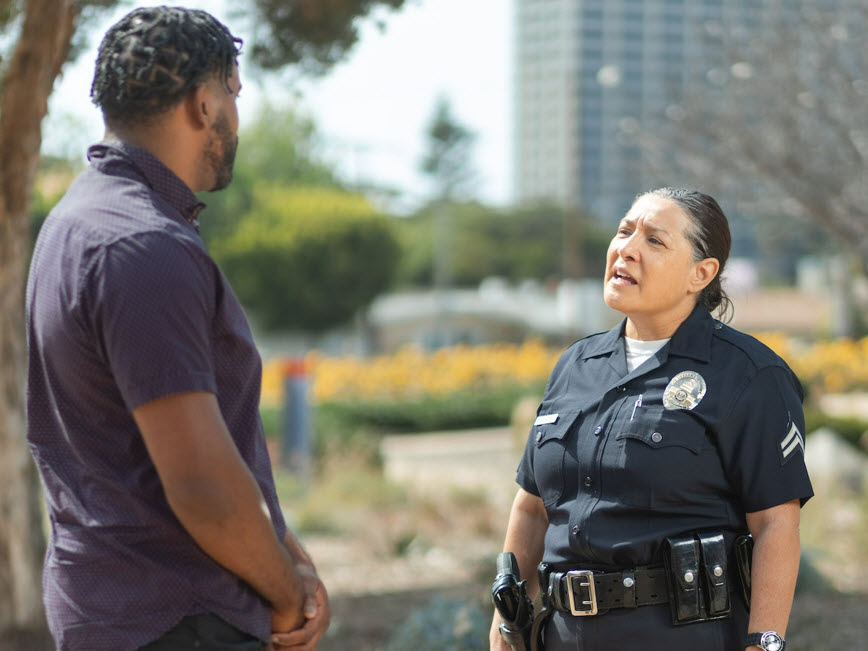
(125, 306)
(707, 430)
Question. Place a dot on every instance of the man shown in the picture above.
(144, 380)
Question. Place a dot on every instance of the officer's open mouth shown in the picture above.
(623, 278)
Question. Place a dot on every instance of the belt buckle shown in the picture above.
(585, 579)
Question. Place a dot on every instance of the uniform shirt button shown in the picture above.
(539, 436)
(598, 429)
(621, 389)
(575, 530)
(587, 481)
(657, 437)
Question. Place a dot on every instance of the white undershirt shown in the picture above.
(639, 351)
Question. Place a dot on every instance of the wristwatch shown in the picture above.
(770, 641)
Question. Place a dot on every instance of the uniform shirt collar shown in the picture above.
(606, 343)
(154, 173)
(692, 339)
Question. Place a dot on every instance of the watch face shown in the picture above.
(771, 642)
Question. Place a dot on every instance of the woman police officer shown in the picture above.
(656, 445)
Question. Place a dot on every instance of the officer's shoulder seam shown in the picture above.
(759, 355)
(578, 346)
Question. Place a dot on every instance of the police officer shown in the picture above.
(656, 446)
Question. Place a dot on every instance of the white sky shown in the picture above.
(371, 110)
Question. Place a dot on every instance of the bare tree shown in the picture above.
(779, 120)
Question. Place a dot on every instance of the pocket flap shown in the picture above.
(554, 426)
(679, 430)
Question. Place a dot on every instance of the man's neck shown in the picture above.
(160, 144)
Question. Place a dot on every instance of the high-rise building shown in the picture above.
(587, 71)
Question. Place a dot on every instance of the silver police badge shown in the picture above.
(684, 391)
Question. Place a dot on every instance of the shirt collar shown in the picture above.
(692, 339)
(159, 178)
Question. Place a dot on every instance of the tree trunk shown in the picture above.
(41, 49)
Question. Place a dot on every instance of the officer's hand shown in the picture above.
(495, 639)
(317, 613)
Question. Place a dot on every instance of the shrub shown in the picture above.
(443, 625)
(308, 259)
(488, 407)
(850, 428)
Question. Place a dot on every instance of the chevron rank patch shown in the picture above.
(794, 441)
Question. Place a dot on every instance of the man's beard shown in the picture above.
(221, 157)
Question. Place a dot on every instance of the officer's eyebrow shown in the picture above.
(631, 221)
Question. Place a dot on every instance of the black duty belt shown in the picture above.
(585, 592)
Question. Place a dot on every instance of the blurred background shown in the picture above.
(417, 228)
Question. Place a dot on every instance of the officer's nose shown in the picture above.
(628, 250)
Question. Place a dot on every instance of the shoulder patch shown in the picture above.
(793, 442)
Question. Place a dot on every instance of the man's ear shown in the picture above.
(703, 273)
(199, 106)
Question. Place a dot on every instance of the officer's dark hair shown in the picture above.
(150, 59)
(709, 237)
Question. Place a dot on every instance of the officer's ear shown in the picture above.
(702, 273)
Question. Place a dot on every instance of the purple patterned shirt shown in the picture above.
(125, 306)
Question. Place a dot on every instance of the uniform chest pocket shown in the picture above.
(550, 435)
(664, 458)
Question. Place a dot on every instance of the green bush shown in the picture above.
(490, 407)
(849, 428)
(308, 258)
(272, 421)
(358, 425)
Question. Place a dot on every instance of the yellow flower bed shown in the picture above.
(414, 372)
(833, 366)
(828, 366)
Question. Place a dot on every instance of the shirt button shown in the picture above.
(598, 429)
(539, 436)
(575, 530)
(587, 481)
(621, 389)
(657, 437)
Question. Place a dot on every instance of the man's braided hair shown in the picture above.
(153, 57)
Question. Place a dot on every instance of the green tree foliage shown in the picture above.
(450, 146)
(308, 258)
(447, 163)
(280, 146)
(516, 243)
(313, 33)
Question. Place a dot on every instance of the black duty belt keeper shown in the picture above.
(697, 570)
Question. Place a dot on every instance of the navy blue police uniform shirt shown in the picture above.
(125, 306)
(618, 471)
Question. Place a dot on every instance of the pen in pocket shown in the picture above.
(636, 405)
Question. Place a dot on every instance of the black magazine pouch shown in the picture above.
(715, 574)
(743, 551)
(681, 557)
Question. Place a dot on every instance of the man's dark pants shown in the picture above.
(204, 632)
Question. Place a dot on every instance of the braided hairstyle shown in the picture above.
(152, 57)
(708, 235)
